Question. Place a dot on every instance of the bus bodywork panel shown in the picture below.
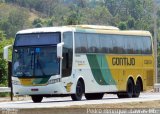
(113, 71)
(132, 66)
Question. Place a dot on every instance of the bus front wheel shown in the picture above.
(36, 98)
(79, 92)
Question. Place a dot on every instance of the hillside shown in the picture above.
(14, 18)
(125, 14)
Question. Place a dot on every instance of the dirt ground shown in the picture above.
(151, 104)
(152, 107)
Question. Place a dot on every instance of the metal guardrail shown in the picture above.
(5, 89)
(157, 87)
(158, 77)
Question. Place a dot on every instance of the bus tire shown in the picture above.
(79, 91)
(36, 98)
(129, 91)
(137, 89)
(94, 96)
(121, 95)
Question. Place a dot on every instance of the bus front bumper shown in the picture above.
(50, 89)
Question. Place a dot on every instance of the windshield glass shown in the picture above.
(35, 61)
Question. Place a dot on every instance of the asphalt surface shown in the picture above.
(62, 102)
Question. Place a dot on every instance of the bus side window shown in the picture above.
(67, 54)
(93, 43)
(121, 45)
(80, 43)
(104, 43)
(114, 43)
(138, 45)
(130, 45)
(147, 45)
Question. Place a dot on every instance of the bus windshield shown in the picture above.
(35, 61)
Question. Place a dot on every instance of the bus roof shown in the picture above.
(45, 29)
(108, 30)
(126, 32)
(87, 28)
(99, 27)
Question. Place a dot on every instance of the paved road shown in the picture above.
(66, 101)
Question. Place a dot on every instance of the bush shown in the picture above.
(122, 25)
(3, 64)
(3, 72)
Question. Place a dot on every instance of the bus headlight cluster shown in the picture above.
(15, 82)
(52, 81)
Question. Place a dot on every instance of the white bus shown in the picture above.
(81, 59)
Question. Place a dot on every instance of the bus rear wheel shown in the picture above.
(36, 98)
(121, 95)
(130, 89)
(129, 92)
(93, 96)
(79, 92)
(137, 89)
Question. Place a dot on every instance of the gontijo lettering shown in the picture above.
(123, 61)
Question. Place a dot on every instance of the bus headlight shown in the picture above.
(52, 81)
(15, 82)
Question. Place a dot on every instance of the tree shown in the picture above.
(37, 23)
(131, 23)
(74, 16)
(17, 20)
(97, 16)
(122, 25)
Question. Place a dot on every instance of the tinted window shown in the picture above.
(125, 44)
(106, 43)
(37, 39)
(67, 54)
(119, 44)
(113, 44)
(80, 43)
(137, 45)
(147, 45)
(130, 44)
(93, 43)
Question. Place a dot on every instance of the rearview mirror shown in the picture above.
(60, 50)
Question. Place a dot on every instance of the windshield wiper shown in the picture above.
(41, 69)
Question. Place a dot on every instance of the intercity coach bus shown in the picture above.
(82, 59)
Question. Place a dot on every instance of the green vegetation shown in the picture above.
(22, 14)
(126, 14)
(3, 63)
